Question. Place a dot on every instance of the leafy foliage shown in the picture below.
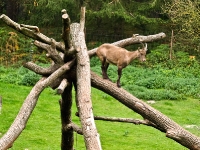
(47, 13)
(125, 15)
(184, 16)
(20, 76)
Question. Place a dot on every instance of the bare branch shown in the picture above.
(66, 29)
(52, 52)
(30, 27)
(62, 86)
(26, 31)
(75, 128)
(82, 19)
(40, 70)
(127, 120)
(67, 139)
(29, 104)
(133, 40)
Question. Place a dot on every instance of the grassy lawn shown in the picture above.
(43, 128)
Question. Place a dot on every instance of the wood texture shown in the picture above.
(83, 92)
(161, 122)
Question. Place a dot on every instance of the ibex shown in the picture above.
(118, 56)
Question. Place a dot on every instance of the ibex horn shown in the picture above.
(146, 46)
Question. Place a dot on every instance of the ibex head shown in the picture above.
(142, 53)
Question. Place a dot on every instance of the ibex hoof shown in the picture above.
(118, 85)
(106, 78)
(109, 79)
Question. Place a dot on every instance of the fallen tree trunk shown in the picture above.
(133, 40)
(29, 104)
(159, 121)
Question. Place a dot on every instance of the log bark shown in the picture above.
(133, 40)
(75, 128)
(51, 51)
(40, 70)
(66, 29)
(31, 33)
(162, 122)
(126, 120)
(62, 86)
(67, 139)
(29, 104)
(83, 92)
(65, 88)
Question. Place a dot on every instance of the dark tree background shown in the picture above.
(119, 18)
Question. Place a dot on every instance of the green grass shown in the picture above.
(43, 128)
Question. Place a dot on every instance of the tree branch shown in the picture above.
(40, 70)
(51, 50)
(29, 104)
(30, 33)
(66, 29)
(67, 139)
(62, 86)
(133, 40)
(75, 128)
(128, 120)
(30, 27)
(163, 123)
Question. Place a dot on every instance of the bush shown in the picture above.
(29, 79)
(158, 55)
(155, 82)
(21, 76)
(188, 86)
(153, 94)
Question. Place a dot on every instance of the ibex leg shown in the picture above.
(104, 68)
(119, 76)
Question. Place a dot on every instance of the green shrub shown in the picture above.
(94, 61)
(21, 76)
(188, 86)
(153, 94)
(11, 77)
(154, 82)
(158, 55)
(29, 79)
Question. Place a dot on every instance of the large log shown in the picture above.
(159, 120)
(29, 104)
(28, 31)
(83, 89)
(133, 40)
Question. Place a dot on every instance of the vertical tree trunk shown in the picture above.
(67, 139)
(84, 103)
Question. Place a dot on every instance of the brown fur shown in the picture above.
(118, 56)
